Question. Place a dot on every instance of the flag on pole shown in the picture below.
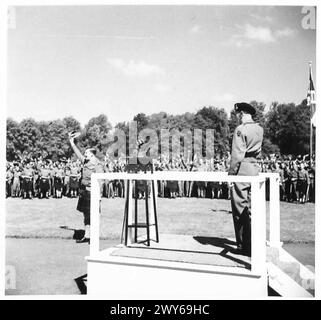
(311, 101)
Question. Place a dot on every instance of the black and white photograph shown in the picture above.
(160, 151)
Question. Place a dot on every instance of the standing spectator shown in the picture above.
(16, 182)
(27, 181)
(58, 181)
(311, 187)
(302, 184)
(44, 181)
(293, 176)
(9, 177)
(67, 180)
(74, 180)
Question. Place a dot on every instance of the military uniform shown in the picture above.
(293, 178)
(287, 183)
(311, 189)
(246, 147)
(44, 182)
(92, 166)
(16, 183)
(58, 182)
(27, 183)
(302, 185)
(67, 181)
(74, 180)
(280, 171)
(9, 178)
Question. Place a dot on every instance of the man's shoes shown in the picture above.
(242, 251)
(83, 240)
(246, 252)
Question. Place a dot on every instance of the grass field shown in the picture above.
(205, 217)
(48, 261)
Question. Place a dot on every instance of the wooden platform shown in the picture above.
(178, 267)
(188, 249)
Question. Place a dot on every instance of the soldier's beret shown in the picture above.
(243, 106)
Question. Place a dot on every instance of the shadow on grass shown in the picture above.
(80, 281)
(226, 245)
(78, 233)
(222, 210)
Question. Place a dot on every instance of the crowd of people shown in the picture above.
(44, 178)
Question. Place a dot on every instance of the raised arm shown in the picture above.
(75, 148)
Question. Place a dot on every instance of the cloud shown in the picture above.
(227, 97)
(162, 87)
(133, 68)
(261, 34)
(250, 34)
(261, 18)
(195, 29)
(286, 32)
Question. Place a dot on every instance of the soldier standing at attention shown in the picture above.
(9, 178)
(90, 165)
(44, 183)
(67, 179)
(302, 184)
(16, 182)
(27, 182)
(246, 148)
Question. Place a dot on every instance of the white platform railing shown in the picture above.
(258, 208)
(274, 210)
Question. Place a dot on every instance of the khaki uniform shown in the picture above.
(246, 147)
(58, 179)
(302, 184)
(9, 177)
(16, 183)
(93, 166)
(27, 181)
(44, 182)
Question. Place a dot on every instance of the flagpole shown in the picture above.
(311, 126)
(311, 136)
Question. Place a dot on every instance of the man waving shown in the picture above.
(90, 165)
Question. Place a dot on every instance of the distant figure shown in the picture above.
(27, 181)
(16, 182)
(302, 184)
(246, 147)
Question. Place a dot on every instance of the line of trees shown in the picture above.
(286, 130)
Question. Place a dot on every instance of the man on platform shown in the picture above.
(246, 148)
(90, 165)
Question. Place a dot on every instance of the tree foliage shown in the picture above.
(288, 127)
(286, 131)
(49, 139)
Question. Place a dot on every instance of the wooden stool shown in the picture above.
(135, 225)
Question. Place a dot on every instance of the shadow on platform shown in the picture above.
(226, 245)
(190, 249)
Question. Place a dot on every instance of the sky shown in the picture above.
(121, 60)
